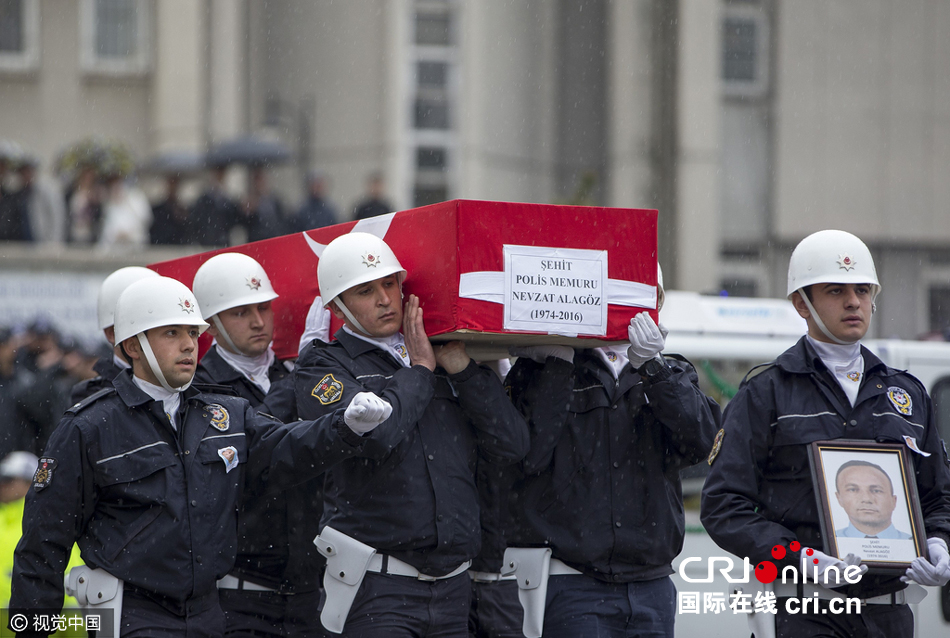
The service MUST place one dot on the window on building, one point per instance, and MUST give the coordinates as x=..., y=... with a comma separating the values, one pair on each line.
x=939, y=304
x=433, y=23
x=115, y=36
x=19, y=34
x=745, y=46
x=735, y=287
x=430, y=158
x=434, y=96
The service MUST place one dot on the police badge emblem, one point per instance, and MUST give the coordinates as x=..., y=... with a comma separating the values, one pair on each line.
x=900, y=400
x=186, y=305
x=220, y=419
x=611, y=356
x=854, y=376
x=846, y=262
x=44, y=473
x=328, y=390
x=254, y=283
x=717, y=445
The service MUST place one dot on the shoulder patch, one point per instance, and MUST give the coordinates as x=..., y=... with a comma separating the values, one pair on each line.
x=717, y=445
x=328, y=390
x=220, y=419
x=43, y=476
x=901, y=400
x=92, y=398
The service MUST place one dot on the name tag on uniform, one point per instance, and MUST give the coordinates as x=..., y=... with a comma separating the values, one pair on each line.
x=230, y=457
x=912, y=444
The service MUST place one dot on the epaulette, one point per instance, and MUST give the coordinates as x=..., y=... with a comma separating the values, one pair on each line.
x=215, y=388
x=757, y=370
x=92, y=398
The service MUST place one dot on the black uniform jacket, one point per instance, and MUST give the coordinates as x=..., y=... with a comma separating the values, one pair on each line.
x=152, y=506
x=277, y=402
x=602, y=485
x=275, y=541
x=410, y=492
x=759, y=491
x=107, y=370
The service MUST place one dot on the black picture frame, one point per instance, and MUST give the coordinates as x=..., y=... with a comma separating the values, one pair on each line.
x=857, y=529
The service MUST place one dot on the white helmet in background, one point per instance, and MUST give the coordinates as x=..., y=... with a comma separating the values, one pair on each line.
x=18, y=465
x=227, y=281
x=351, y=260
x=660, y=292
x=113, y=286
x=230, y=280
x=831, y=257
x=152, y=303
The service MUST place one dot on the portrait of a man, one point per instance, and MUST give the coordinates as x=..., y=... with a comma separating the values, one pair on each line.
x=866, y=493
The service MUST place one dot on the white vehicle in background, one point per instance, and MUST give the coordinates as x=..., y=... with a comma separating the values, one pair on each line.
x=724, y=337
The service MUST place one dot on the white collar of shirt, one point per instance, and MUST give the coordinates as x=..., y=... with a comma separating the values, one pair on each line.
x=394, y=345
x=615, y=357
x=119, y=361
x=254, y=368
x=170, y=400
x=845, y=362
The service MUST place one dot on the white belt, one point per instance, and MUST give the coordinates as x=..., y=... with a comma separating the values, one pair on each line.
x=557, y=568
x=385, y=564
x=912, y=595
x=489, y=577
x=233, y=582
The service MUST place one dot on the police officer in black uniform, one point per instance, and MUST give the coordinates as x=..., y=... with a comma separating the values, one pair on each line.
x=273, y=589
x=147, y=476
x=759, y=492
x=400, y=523
x=108, y=368
x=611, y=428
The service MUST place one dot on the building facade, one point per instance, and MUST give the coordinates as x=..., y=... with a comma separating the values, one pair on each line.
x=747, y=123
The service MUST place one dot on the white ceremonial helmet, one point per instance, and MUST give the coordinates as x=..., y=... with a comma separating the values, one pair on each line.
x=831, y=257
x=660, y=292
x=151, y=303
x=113, y=286
x=227, y=281
x=230, y=280
x=351, y=260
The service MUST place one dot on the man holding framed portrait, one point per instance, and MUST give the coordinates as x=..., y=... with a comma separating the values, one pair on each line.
x=880, y=468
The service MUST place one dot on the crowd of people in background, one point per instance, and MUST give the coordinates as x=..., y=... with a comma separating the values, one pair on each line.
x=103, y=205
x=38, y=367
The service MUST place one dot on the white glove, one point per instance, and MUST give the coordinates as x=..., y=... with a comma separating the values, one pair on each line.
x=317, y=325
x=646, y=340
x=365, y=412
x=825, y=577
x=541, y=353
x=932, y=573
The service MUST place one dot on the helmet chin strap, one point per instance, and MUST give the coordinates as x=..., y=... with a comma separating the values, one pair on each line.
x=224, y=335
x=821, y=324
x=153, y=364
x=349, y=315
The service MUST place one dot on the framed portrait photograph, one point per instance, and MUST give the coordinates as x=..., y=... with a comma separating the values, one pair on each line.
x=868, y=503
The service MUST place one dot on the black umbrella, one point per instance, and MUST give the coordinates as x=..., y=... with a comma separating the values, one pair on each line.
x=250, y=150
x=174, y=162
